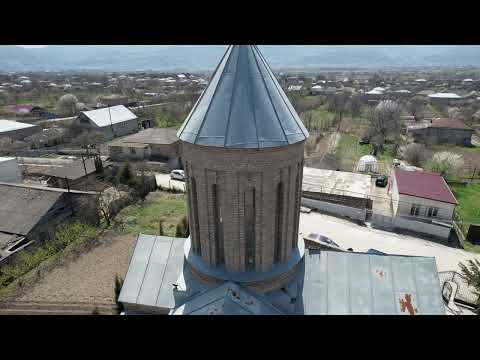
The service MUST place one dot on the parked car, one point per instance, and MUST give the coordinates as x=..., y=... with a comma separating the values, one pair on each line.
x=364, y=141
x=177, y=175
x=381, y=181
x=321, y=238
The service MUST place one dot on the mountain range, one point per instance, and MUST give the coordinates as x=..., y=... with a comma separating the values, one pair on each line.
x=205, y=57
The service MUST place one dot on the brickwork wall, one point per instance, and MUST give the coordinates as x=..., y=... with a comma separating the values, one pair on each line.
x=217, y=220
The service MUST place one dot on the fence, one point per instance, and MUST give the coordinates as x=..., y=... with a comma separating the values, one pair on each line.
x=390, y=223
x=465, y=294
x=341, y=210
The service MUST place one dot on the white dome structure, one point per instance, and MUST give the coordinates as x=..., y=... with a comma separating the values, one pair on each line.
x=367, y=163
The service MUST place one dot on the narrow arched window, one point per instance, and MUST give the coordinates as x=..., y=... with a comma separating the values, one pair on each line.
x=196, y=247
x=278, y=221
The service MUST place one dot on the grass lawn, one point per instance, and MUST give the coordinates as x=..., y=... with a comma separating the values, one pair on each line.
x=144, y=217
x=349, y=151
x=321, y=119
x=468, y=197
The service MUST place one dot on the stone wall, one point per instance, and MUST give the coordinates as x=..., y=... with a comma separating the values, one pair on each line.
x=244, y=204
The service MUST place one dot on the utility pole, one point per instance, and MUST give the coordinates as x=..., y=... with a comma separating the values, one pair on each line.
x=111, y=124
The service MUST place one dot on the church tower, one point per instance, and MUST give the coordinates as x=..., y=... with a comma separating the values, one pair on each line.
x=242, y=149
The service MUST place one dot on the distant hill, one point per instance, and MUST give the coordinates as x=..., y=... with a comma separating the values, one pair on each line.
x=205, y=57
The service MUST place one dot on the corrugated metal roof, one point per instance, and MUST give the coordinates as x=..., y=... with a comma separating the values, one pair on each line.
x=243, y=106
x=155, y=265
x=8, y=125
x=118, y=114
x=363, y=284
x=423, y=184
x=227, y=299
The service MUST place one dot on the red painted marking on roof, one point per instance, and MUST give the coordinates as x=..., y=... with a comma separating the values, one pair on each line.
x=406, y=304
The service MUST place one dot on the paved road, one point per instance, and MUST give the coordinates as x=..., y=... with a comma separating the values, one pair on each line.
x=165, y=181
x=347, y=234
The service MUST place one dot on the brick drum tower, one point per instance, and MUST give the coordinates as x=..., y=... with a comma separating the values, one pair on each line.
x=242, y=149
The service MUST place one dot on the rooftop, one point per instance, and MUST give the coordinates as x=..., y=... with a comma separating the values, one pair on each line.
x=444, y=96
x=117, y=114
x=73, y=171
x=158, y=136
x=243, y=106
x=22, y=207
x=336, y=182
x=9, y=125
x=448, y=123
x=345, y=283
x=424, y=184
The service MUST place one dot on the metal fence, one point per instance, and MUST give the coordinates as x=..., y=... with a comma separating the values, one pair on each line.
x=465, y=294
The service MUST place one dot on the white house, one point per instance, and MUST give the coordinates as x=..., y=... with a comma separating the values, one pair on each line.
x=111, y=121
x=422, y=202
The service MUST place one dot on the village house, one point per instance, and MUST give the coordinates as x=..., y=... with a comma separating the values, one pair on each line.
x=153, y=143
x=422, y=202
x=443, y=98
x=110, y=121
x=337, y=192
x=17, y=130
x=80, y=174
x=30, y=214
x=441, y=131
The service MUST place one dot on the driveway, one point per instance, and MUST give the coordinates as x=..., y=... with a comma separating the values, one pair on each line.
x=165, y=181
x=360, y=238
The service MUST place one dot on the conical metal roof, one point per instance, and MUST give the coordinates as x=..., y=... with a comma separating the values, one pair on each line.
x=243, y=106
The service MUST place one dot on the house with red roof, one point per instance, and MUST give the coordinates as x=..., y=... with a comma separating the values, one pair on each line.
x=424, y=197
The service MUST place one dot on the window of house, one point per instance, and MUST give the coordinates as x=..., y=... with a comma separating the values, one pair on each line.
x=432, y=212
x=132, y=150
x=415, y=210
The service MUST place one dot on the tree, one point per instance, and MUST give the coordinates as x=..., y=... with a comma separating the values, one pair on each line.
x=445, y=163
x=67, y=104
x=414, y=154
x=354, y=105
x=471, y=272
x=116, y=291
x=160, y=227
x=337, y=103
x=385, y=121
x=415, y=107
x=126, y=176
x=183, y=229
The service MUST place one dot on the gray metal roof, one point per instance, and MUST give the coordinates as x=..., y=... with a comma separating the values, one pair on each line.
x=110, y=115
x=227, y=299
x=243, y=106
x=9, y=125
x=364, y=284
x=156, y=264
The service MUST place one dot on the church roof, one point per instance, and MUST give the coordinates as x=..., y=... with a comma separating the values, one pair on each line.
x=227, y=299
x=243, y=106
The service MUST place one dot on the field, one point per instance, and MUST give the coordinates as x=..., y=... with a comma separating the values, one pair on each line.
x=468, y=197
x=145, y=217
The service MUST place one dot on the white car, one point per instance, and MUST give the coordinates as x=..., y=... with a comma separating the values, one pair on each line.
x=177, y=175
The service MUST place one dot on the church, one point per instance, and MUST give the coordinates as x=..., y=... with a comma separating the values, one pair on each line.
x=243, y=151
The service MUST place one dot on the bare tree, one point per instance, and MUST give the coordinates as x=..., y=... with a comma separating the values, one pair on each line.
x=385, y=121
x=415, y=106
x=337, y=103
x=354, y=105
x=414, y=154
x=67, y=104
